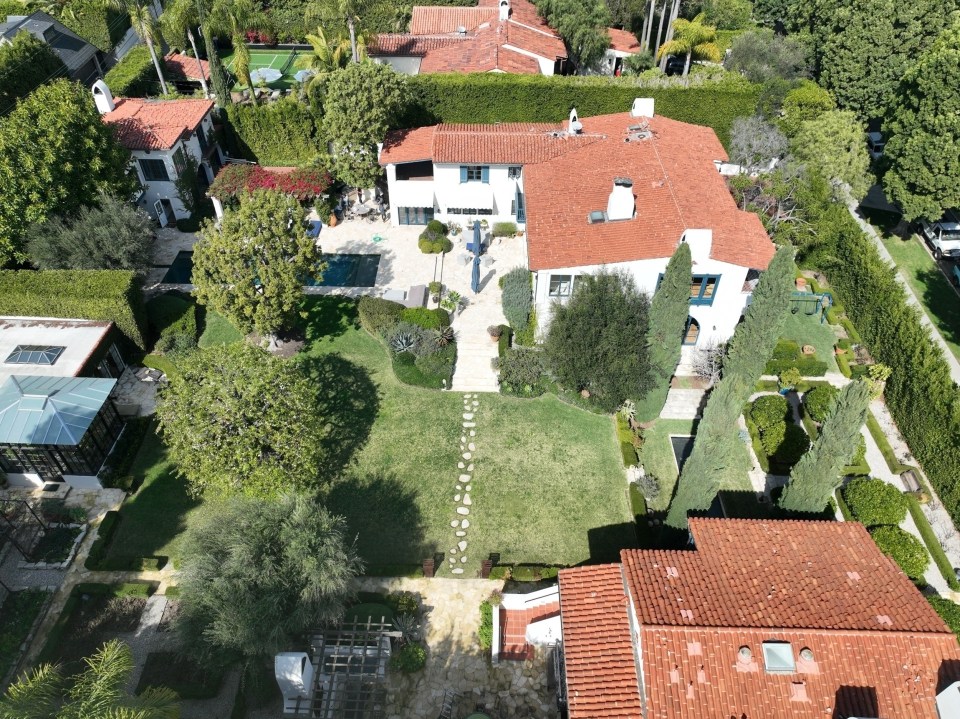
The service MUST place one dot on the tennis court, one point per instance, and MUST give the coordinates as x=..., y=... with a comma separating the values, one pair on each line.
x=280, y=60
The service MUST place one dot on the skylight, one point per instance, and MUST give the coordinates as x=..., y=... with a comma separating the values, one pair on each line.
x=778, y=658
x=34, y=354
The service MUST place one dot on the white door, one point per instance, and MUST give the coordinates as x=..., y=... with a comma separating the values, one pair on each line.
x=161, y=213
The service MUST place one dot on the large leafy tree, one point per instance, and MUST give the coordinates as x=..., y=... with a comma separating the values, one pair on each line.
x=924, y=132
x=727, y=14
x=113, y=235
x=56, y=155
x=361, y=103
x=99, y=692
x=668, y=317
x=762, y=56
x=25, y=64
x=598, y=341
x=238, y=420
x=256, y=575
x=582, y=25
x=807, y=101
x=251, y=266
x=864, y=47
x=694, y=40
x=817, y=475
x=716, y=444
x=833, y=145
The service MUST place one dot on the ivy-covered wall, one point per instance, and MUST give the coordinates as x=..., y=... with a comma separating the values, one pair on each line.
x=134, y=75
x=97, y=23
x=284, y=133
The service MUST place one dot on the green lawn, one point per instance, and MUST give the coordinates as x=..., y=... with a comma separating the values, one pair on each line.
x=217, y=330
x=807, y=330
x=932, y=289
x=153, y=519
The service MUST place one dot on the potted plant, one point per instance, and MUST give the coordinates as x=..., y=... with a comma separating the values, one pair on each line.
x=484, y=225
x=435, y=288
x=453, y=302
x=454, y=229
x=788, y=380
x=494, y=331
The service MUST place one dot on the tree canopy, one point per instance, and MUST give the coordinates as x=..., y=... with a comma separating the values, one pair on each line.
x=694, y=40
x=806, y=101
x=25, y=64
x=597, y=341
x=727, y=14
x=923, y=146
x=252, y=266
x=96, y=693
x=56, y=155
x=238, y=420
x=113, y=235
x=834, y=145
x=761, y=56
x=754, y=142
x=582, y=25
x=255, y=575
x=361, y=103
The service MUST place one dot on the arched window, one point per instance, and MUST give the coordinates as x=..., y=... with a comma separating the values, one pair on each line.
x=692, y=332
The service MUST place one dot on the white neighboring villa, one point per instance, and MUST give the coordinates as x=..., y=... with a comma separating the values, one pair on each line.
x=617, y=191
x=161, y=135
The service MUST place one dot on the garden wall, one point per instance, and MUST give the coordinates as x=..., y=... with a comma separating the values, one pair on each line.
x=281, y=134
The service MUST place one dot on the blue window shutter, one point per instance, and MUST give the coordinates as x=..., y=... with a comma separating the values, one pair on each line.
x=485, y=174
x=463, y=173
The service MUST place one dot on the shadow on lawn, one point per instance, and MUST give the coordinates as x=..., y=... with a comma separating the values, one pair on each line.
x=385, y=517
x=941, y=302
x=328, y=317
x=348, y=401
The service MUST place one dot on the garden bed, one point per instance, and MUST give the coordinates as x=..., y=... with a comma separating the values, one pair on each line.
x=57, y=544
x=18, y=614
x=182, y=674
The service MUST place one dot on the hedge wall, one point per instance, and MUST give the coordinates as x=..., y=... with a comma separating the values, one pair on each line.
x=113, y=295
x=134, y=75
x=97, y=24
x=501, y=97
x=921, y=396
x=284, y=133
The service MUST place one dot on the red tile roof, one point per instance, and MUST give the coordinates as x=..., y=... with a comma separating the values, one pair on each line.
x=623, y=40
x=155, y=124
x=408, y=145
x=878, y=648
x=438, y=20
x=409, y=45
x=601, y=670
x=186, y=66
x=513, y=629
x=483, y=52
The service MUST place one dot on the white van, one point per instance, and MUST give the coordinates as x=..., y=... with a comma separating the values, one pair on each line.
x=875, y=145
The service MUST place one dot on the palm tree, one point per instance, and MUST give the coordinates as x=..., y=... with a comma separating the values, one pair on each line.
x=349, y=12
x=330, y=54
x=178, y=20
x=234, y=18
x=694, y=40
x=145, y=25
x=98, y=692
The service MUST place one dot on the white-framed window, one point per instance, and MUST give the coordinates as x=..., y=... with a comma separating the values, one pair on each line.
x=513, y=173
x=154, y=170
x=561, y=285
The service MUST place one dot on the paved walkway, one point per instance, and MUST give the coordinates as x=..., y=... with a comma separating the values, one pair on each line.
x=951, y=359
x=684, y=403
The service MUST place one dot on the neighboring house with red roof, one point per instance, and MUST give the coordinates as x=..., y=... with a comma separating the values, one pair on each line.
x=162, y=136
x=494, y=36
x=618, y=191
x=762, y=620
x=623, y=44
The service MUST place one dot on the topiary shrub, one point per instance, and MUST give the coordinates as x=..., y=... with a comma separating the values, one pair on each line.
x=517, y=297
x=411, y=658
x=433, y=240
x=795, y=443
x=377, y=315
x=772, y=437
x=421, y=316
x=874, y=502
x=521, y=372
x=819, y=401
x=786, y=350
x=769, y=410
x=485, y=630
x=903, y=548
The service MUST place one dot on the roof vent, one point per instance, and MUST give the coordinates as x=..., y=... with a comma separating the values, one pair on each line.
x=672, y=572
x=504, y=10
x=642, y=107
x=806, y=654
x=596, y=217
x=686, y=614
x=576, y=127
x=798, y=692
x=621, y=204
x=461, y=30
x=102, y=97
x=744, y=655
x=640, y=131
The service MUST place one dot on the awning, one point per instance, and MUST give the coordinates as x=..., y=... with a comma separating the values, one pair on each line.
x=412, y=193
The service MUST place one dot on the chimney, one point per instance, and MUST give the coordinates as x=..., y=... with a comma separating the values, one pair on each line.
x=642, y=107
x=621, y=204
x=504, y=10
x=102, y=97
x=576, y=127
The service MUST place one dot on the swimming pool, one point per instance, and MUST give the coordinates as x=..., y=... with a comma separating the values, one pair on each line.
x=682, y=447
x=346, y=270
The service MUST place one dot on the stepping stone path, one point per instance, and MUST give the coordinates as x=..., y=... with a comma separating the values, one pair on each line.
x=471, y=404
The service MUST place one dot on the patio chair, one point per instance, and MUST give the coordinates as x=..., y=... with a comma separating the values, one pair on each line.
x=417, y=296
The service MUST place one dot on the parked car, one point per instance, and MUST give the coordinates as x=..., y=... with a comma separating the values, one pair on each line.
x=675, y=65
x=875, y=145
x=943, y=235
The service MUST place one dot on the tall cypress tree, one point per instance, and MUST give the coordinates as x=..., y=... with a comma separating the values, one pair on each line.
x=668, y=319
x=817, y=475
x=714, y=448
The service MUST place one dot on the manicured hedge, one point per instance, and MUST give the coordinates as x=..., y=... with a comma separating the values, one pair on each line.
x=96, y=23
x=933, y=544
x=920, y=393
x=503, y=97
x=948, y=611
x=113, y=295
x=905, y=549
x=134, y=75
x=284, y=133
x=874, y=502
x=377, y=315
x=808, y=366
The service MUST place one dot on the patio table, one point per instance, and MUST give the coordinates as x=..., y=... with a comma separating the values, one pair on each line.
x=363, y=210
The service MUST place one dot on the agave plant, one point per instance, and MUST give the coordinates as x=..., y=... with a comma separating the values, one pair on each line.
x=443, y=336
x=408, y=626
x=403, y=342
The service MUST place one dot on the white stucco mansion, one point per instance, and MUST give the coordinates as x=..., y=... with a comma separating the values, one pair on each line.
x=618, y=191
x=161, y=135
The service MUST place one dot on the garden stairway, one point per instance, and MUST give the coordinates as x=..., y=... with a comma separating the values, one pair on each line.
x=475, y=349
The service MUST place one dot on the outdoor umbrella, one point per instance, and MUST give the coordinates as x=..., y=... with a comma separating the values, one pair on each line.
x=475, y=277
x=302, y=75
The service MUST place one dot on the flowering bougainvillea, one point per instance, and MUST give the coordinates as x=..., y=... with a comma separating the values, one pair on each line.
x=304, y=183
